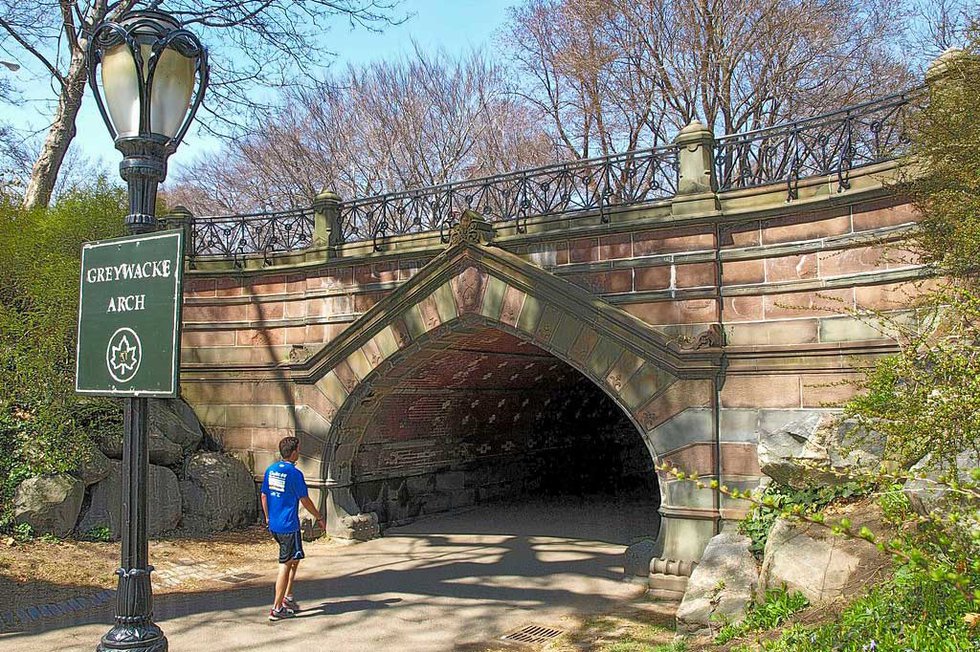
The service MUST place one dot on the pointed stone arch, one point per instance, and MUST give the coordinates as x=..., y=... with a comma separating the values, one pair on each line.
x=650, y=378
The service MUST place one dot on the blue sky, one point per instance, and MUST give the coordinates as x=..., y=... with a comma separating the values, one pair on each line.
x=454, y=25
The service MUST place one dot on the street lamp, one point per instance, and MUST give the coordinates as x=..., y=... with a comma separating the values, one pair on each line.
x=153, y=77
x=154, y=74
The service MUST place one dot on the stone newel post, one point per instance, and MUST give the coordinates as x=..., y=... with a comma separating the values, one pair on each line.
x=326, y=220
x=944, y=65
x=696, y=183
x=181, y=217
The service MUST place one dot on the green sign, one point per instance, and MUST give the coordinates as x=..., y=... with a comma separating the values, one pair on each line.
x=129, y=316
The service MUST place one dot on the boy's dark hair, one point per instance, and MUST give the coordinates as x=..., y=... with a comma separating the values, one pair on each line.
x=288, y=446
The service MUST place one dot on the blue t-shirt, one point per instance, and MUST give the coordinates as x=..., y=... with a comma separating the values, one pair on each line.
x=283, y=486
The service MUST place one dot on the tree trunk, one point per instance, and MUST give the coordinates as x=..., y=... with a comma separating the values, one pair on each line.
x=62, y=131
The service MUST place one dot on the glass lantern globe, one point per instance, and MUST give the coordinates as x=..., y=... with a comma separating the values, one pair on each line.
x=149, y=71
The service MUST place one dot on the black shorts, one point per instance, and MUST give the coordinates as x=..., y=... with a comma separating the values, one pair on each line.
x=290, y=546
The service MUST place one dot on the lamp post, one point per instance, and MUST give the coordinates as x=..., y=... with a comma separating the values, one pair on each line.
x=153, y=77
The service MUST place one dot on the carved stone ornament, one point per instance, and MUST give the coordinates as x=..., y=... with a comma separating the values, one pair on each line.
x=299, y=353
x=471, y=227
x=711, y=338
x=469, y=288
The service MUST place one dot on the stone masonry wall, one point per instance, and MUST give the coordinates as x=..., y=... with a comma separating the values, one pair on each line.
x=783, y=280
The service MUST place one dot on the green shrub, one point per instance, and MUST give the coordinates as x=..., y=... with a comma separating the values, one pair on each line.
x=777, y=499
x=776, y=607
x=23, y=532
x=895, y=505
x=912, y=611
x=44, y=426
x=946, y=185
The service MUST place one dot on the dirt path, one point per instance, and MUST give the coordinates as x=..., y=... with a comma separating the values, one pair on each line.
x=441, y=583
x=40, y=572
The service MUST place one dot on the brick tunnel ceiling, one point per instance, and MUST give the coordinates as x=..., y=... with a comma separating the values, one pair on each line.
x=484, y=359
x=500, y=417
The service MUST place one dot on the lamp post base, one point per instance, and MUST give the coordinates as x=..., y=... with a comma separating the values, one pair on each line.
x=145, y=637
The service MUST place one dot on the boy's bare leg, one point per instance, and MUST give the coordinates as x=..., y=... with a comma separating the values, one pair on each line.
x=282, y=580
x=293, y=565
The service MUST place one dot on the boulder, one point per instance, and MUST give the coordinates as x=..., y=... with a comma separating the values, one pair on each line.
x=94, y=466
x=163, y=502
x=162, y=451
x=721, y=586
x=822, y=566
x=49, y=503
x=175, y=421
x=110, y=444
x=218, y=492
x=926, y=495
x=817, y=449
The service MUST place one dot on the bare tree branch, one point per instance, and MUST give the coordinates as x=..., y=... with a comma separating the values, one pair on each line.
x=55, y=73
x=256, y=45
x=423, y=120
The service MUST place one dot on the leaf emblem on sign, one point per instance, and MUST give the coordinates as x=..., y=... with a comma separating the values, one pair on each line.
x=123, y=354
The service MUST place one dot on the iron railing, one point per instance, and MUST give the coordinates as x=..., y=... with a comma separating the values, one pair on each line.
x=595, y=184
x=832, y=143
x=241, y=236
x=829, y=144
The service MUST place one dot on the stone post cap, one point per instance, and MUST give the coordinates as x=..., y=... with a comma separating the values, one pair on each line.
x=326, y=197
x=180, y=212
x=941, y=65
x=695, y=132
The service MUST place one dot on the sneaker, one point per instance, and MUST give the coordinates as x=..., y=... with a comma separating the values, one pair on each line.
x=281, y=613
x=289, y=603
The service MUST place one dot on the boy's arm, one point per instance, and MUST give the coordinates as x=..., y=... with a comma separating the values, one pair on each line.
x=265, y=508
x=311, y=508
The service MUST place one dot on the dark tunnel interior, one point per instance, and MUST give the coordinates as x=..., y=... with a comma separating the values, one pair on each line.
x=480, y=416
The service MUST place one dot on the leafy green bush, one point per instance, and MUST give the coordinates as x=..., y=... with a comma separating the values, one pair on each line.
x=926, y=399
x=776, y=607
x=895, y=505
x=946, y=185
x=777, y=499
x=23, y=532
x=911, y=611
x=43, y=424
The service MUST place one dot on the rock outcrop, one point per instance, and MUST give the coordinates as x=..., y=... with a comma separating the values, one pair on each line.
x=163, y=500
x=49, y=503
x=822, y=566
x=175, y=421
x=93, y=467
x=218, y=493
x=721, y=586
x=926, y=496
x=162, y=451
x=816, y=449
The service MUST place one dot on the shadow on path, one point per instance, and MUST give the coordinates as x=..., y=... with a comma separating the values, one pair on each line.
x=486, y=564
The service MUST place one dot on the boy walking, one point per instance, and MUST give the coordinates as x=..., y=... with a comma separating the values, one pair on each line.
x=283, y=489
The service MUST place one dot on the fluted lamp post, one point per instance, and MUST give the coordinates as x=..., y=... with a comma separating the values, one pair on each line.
x=148, y=75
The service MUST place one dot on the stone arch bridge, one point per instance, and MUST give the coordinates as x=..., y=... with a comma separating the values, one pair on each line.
x=437, y=348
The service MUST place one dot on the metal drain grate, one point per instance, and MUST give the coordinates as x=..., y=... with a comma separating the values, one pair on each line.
x=238, y=578
x=532, y=634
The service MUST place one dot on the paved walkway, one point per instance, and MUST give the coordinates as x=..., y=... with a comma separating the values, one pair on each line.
x=434, y=585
